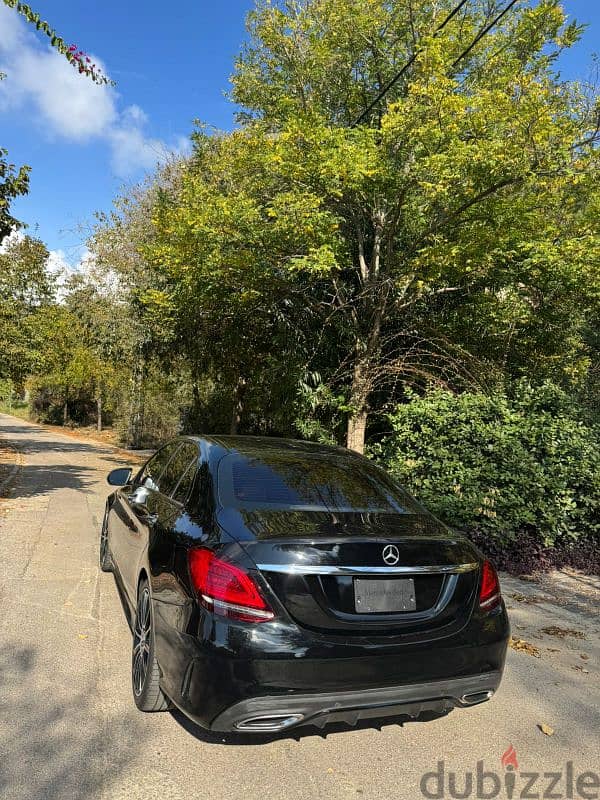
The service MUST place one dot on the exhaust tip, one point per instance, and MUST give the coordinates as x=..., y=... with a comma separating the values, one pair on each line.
x=270, y=724
x=473, y=698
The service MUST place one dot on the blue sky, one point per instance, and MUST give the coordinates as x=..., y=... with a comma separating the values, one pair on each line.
x=171, y=63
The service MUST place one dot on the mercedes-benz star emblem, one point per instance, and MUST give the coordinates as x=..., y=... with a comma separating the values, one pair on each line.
x=391, y=554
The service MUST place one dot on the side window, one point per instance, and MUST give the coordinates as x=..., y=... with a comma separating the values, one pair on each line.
x=177, y=471
x=151, y=474
x=186, y=479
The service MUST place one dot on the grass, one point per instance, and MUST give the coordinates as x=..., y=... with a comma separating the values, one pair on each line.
x=18, y=408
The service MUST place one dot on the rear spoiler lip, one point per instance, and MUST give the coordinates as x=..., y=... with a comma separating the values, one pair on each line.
x=334, y=569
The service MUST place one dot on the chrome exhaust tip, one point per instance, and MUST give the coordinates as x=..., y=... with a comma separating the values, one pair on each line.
x=270, y=724
x=473, y=698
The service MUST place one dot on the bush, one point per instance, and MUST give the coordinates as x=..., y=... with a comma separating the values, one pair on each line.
x=507, y=469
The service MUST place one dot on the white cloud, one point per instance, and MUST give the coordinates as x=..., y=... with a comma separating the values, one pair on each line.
x=41, y=83
x=57, y=263
x=13, y=236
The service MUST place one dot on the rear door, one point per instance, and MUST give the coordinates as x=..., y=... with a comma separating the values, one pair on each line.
x=138, y=510
x=168, y=505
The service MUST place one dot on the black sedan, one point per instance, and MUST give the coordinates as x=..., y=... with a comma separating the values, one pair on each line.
x=272, y=583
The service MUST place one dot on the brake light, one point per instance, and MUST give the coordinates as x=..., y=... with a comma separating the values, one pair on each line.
x=226, y=589
x=489, y=593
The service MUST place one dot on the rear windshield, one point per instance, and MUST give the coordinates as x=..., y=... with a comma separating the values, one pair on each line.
x=308, y=483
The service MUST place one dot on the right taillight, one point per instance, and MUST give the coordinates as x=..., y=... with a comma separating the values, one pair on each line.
x=226, y=589
x=489, y=592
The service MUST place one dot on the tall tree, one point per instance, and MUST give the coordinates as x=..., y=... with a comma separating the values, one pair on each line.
x=460, y=183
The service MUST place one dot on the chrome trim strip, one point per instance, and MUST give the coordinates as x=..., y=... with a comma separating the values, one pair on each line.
x=327, y=569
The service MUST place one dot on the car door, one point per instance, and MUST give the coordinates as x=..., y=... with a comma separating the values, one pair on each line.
x=175, y=485
x=138, y=512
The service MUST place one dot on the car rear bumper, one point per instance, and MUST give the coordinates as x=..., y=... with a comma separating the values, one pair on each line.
x=229, y=673
x=269, y=714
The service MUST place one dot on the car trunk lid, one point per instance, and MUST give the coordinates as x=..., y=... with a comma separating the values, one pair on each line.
x=362, y=573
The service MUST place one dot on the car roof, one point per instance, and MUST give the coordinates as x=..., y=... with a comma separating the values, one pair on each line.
x=271, y=444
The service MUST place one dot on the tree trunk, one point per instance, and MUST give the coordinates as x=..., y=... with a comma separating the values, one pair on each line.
x=359, y=401
x=136, y=418
x=357, y=425
x=65, y=412
x=99, y=413
x=238, y=405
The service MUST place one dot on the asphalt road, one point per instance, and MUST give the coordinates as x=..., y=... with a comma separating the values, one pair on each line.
x=69, y=729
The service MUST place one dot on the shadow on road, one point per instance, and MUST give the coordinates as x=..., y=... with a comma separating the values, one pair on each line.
x=54, y=742
x=37, y=480
x=45, y=440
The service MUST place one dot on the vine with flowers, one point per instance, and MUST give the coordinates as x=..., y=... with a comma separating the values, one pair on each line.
x=74, y=55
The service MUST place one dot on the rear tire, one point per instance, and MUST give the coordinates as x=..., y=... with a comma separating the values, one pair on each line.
x=145, y=674
x=106, y=562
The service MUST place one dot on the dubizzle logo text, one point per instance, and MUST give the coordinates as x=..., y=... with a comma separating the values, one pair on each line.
x=512, y=783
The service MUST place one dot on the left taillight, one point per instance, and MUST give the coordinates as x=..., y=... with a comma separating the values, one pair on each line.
x=489, y=591
x=226, y=589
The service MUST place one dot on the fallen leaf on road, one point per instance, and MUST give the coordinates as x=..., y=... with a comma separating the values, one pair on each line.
x=584, y=656
x=546, y=729
x=524, y=598
x=581, y=668
x=82, y=635
x=523, y=646
x=554, y=630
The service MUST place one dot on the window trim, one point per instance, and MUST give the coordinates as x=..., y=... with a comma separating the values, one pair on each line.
x=192, y=465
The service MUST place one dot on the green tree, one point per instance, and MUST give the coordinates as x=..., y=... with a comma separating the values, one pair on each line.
x=14, y=181
x=26, y=287
x=466, y=183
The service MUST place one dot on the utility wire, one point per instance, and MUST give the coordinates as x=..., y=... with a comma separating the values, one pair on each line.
x=455, y=63
x=484, y=32
x=408, y=64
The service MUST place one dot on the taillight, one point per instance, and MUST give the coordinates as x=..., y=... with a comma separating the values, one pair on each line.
x=489, y=593
x=225, y=589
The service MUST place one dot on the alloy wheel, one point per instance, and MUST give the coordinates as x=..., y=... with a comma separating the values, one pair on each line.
x=141, y=642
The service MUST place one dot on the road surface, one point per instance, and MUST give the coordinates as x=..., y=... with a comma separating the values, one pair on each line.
x=69, y=729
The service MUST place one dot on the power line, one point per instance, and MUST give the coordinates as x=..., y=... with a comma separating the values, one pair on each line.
x=484, y=32
x=455, y=63
x=408, y=64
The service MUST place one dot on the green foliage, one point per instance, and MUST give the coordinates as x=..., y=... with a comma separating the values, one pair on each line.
x=501, y=465
x=459, y=223
x=14, y=182
x=26, y=289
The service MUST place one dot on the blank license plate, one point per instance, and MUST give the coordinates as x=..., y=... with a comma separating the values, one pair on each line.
x=385, y=595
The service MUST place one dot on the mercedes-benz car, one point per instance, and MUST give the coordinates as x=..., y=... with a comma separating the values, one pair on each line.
x=272, y=583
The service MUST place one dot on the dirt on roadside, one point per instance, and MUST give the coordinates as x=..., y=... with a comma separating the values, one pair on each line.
x=10, y=460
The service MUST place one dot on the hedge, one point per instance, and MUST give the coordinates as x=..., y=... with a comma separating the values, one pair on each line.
x=523, y=467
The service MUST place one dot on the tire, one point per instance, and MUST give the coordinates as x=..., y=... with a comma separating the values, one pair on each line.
x=145, y=674
x=106, y=562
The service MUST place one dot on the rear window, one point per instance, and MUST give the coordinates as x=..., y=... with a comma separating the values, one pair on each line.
x=308, y=483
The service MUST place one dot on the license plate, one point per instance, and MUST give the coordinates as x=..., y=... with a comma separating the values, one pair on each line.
x=384, y=595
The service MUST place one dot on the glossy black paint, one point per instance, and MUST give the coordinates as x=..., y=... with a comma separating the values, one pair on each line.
x=317, y=651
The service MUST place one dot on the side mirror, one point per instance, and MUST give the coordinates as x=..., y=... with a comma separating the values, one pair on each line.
x=120, y=476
